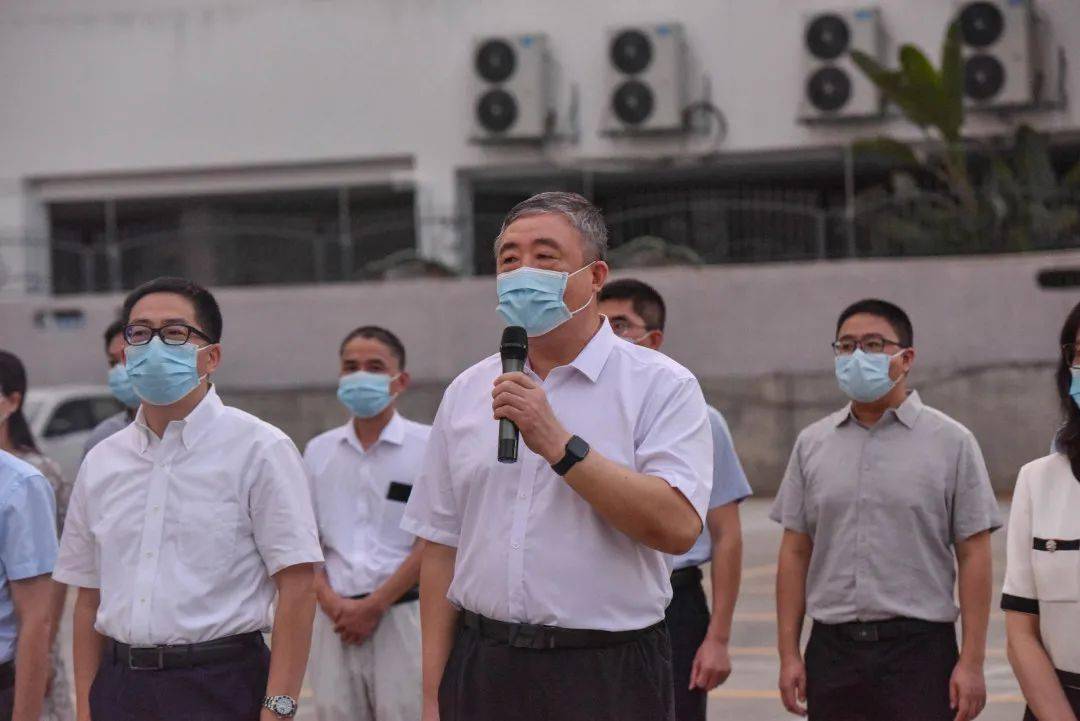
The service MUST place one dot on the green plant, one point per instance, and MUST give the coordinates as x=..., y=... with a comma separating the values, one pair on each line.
x=995, y=199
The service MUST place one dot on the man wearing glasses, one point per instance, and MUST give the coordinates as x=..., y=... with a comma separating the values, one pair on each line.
x=699, y=640
x=879, y=501
x=181, y=529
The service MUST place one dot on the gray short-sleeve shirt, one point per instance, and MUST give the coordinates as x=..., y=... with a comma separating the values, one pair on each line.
x=884, y=507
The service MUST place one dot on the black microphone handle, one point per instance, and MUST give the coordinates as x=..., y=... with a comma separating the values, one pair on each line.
x=508, y=432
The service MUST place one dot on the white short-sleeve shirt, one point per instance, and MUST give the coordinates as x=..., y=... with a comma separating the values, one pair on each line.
x=182, y=534
x=1042, y=572
x=359, y=498
x=529, y=548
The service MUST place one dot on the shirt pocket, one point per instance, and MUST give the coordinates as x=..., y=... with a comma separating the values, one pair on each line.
x=1057, y=573
x=206, y=538
x=393, y=509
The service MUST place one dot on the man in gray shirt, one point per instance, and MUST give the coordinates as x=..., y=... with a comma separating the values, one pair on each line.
x=877, y=502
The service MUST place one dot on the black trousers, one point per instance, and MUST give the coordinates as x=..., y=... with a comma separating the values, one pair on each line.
x=488, y=681
x=899, y=679
x=7, y=690
x=231, y=690
x=1071, y=683
x=687, y=621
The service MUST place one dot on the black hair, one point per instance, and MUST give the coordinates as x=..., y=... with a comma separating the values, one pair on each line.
x=115, y=328
x=207, y=312
x=893, y=314
x=374, y=332
x=13, y=380
x=1068, y=438
x=643, y=297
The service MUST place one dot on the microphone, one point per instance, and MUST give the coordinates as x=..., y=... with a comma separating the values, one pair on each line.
x=513, y=349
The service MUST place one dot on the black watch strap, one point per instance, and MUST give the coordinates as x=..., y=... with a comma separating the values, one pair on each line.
x=576, y=450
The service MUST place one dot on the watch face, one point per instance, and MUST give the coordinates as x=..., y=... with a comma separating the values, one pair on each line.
x=283, y=706
x=577, y=447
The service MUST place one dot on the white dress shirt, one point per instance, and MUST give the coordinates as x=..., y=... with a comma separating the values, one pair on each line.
x=359, y=498
x=183, y=533
x=529, y=548
x=1042, y=571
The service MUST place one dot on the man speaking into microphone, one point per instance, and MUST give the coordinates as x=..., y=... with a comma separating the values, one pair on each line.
x=543, y=587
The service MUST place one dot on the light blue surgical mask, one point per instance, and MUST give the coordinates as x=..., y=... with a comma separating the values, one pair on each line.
x=533, y=299
x=365, y=394
x=121, y=387
x=1074, y=389
x=163, y=374
x=864, y=377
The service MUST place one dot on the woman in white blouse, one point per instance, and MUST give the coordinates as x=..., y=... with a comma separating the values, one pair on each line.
x=1041, y=597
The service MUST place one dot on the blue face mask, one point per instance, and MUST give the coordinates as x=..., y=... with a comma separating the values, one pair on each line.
x=163, y=374
x=864, y=377
x=533, y=299
x=1074, y=389
x=366, y=395
x=121, y=388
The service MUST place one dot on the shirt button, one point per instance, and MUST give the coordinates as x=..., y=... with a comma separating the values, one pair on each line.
x=142, y=600
x=149, y=555
x=516, y=546
x=521, y=495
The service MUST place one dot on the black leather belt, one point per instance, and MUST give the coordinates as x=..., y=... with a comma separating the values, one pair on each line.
x=882, y=630
x=686, y=577
x=158, y=658
x=7, y=675
x=527, y=635
x=413, y=594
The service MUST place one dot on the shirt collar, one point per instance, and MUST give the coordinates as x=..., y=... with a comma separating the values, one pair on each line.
x=393, y=433
x=192, y=427
x=906, y=413
x=592, y=358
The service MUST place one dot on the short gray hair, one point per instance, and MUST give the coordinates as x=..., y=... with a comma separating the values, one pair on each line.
x=585, y=217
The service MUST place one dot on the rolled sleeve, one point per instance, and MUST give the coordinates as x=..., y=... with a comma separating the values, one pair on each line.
x=677, y=445
x=975, y=509
x=432, y=513
x=281, y=514
x=789, y=507
x=28, y=544
x=77, y=564
x=729, y=479
x=1019, y=592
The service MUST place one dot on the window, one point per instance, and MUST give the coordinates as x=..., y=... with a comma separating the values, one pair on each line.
x=71, y=417
x=281, y=237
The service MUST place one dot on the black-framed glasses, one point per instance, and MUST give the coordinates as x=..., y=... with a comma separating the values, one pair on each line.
x=1071, y=353
x=623, y=327
x=870, y=343
x=171, y=334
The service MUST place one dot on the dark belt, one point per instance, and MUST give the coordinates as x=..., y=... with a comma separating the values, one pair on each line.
x=684, y=577
x=1068, y=679
x=527, y=635
x=7, y=675
x=157, y=658
x=413, y=594
x=882, y=630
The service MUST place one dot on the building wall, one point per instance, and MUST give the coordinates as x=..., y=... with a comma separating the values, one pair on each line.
x=154, y=89
x=756, y=336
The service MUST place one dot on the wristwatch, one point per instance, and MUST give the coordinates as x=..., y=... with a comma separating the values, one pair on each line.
x=576, y=450
x=282, y=706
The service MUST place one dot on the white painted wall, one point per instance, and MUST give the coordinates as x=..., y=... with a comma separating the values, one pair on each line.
x=123, y=86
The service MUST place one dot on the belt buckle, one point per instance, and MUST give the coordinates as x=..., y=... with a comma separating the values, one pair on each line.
x=523, y=635
x=158, y=658
x=866, y=633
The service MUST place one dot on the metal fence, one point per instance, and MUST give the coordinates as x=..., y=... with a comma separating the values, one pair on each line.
x=691, y=230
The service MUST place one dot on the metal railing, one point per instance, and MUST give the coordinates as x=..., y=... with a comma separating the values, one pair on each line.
x=694, y=230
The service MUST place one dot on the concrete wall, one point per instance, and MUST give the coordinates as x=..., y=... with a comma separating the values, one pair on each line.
x=757, y=336
x=155, y=89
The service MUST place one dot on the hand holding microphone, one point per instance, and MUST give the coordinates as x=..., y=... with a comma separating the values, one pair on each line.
x=521, y=405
